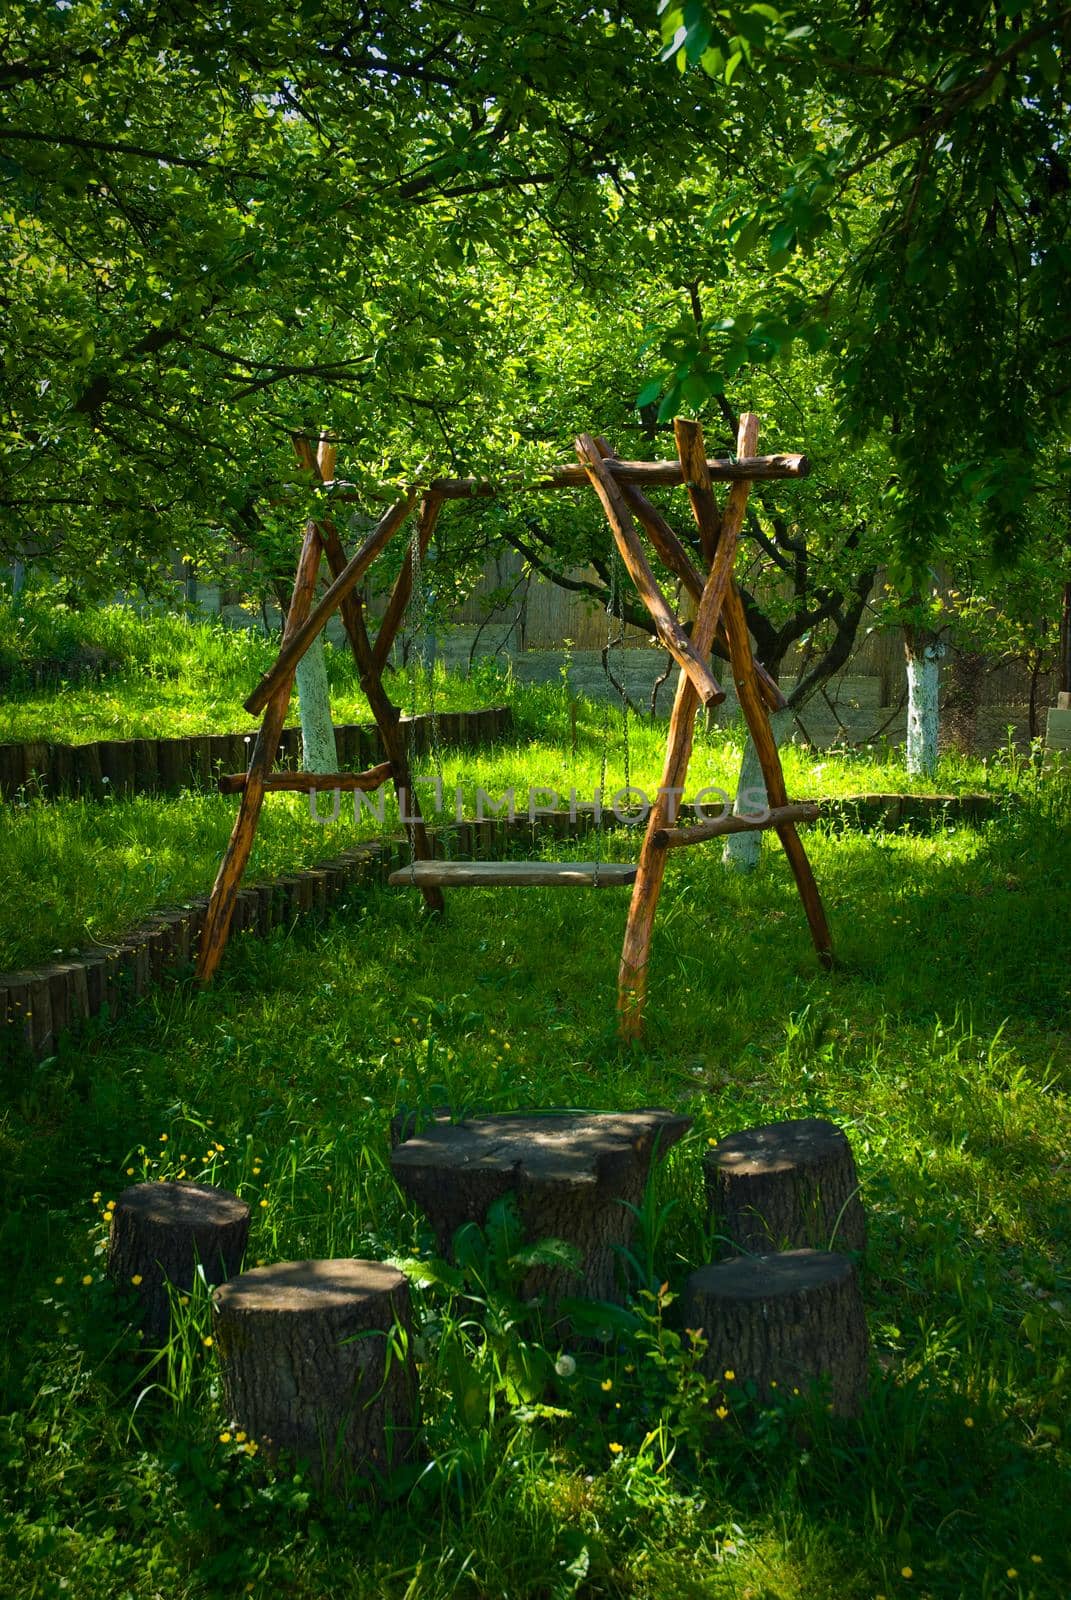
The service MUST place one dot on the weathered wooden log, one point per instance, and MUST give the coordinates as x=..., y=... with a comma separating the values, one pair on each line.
x=303, y=782
x=162, y=1232
x=574, y=1176
x=650, y=473
x=346, y=580
x=117, y=765
x=317, y=1363
x=784, y=1186
x=783, y=1322
x=677, y=838
x=146, y=765
x=60, y=769
x=42, y=1032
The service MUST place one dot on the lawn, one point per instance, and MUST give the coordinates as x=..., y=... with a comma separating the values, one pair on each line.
x=941, y=1045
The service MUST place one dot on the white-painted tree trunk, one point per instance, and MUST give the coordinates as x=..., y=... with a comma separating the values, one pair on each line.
x=318, y=752
x=743, y=850
x=923, y=722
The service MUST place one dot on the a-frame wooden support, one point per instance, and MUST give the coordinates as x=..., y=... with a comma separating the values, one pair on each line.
x=719, y=618
x=719, y=609
x=272, y=696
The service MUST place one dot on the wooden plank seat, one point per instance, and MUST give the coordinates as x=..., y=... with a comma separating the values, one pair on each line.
x=516, y=874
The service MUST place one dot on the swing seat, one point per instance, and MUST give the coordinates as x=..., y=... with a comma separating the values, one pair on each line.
x=515, y=874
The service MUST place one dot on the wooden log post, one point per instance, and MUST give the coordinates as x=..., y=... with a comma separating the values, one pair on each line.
x=666, y=625
x=784, y=1323
x=636, y=950
x=174, y=762
x=162, y=1232
x=786, y=1186
x=318, y=1363
x=574, y=1177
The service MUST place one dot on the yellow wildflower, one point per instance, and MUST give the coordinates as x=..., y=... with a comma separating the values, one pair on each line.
x=88, y=1279
x=729, y=1374
x=906, y=1572
x=224, y=1437
x=207, y=1341
x=240, y=1437
x=607, y=1385
x=721, y=1413
x=136, y=1279
x=616, y=1449
x=968, y=1422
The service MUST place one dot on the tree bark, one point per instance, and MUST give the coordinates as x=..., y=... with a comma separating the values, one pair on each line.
x=786, y=1186
x=923, y=652
x=743, y=850
x=318, y=752
x=317, y=1362
x=783, y=1322
x=162, y=1232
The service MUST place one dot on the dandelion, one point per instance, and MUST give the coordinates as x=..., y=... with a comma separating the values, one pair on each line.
x=565, y=1366
x=87, y=1280
x=616, y=1449
x=907, y=1572
x=136, y=1279
x=968, y=1422
x=224, y=1437
x=251, y=1448
x=396, y=1041
x=1036, y=1560
x=240, y=1438
x=130, y=1172
x=163, y=1138
x=607, y=1385
x=721, y=1413
x=208, y=1341
x=256, y=1172
x=1013, y=1572
x=264, y=1205
x=729, y=1375
x=184, y=1300
x=59, y=1279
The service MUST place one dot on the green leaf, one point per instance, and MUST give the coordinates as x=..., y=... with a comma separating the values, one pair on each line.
x=649, y=393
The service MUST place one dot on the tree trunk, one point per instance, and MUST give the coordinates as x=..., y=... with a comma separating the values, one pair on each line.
x=785, y=1186
x=743, y=850
x=317, y=1362
x=575, y=1178
x=923, y=652
x=162, y=1232
x=960, y=711
x=783, y=1322
x=318, y=753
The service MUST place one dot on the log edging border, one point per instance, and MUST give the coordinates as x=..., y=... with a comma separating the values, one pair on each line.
x=128, y=767
x=39, y=1006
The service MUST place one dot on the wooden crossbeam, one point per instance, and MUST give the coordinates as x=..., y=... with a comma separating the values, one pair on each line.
x=651, y=473
x=346, y=580
x=310, y=782
x=427, y=517
x=718, y=827
x=668, y=629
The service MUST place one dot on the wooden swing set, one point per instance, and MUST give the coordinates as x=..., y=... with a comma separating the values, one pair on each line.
x=719, y=619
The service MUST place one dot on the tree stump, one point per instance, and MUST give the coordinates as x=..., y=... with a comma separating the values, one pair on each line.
x=569, y=1173
x=787, y=1185
x=310, y=1366
x=161, y=1232
x=783, y=1322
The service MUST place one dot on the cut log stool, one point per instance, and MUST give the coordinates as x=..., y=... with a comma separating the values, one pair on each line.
x=785, y=1186
x=309, y=1366
x=570, y=1174
x=783, y=1322
x=162, y=1232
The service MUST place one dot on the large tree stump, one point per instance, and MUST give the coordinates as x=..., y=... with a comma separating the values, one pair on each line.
x=786, y=1186
x=161, y=1232
x=783, y=1322
x=311, y=1364
x=570, y=1174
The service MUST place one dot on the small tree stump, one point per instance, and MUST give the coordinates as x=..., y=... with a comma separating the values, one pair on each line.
x=161, y=1232
x=786, y=1186
x=570, y=1174
x=310, y=1367
x=783, y=1322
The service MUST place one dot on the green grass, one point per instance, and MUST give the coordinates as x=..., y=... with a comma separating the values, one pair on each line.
x=76, y=872
x=170, y=674
x=942, y=1046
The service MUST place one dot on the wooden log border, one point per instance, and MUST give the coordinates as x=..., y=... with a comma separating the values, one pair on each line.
x=166, y=766
x=37, y=1007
